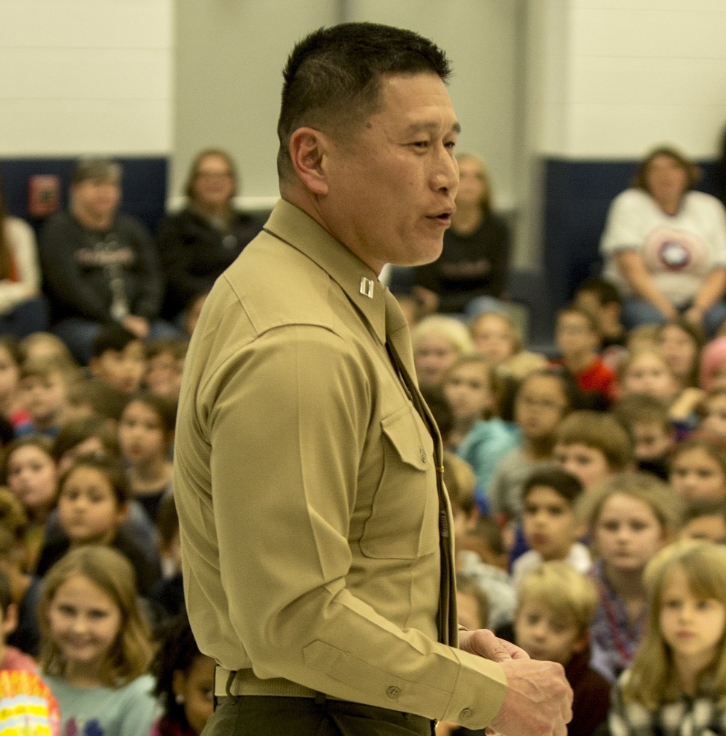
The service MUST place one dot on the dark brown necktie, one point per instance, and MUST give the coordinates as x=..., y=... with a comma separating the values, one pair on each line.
x=398, y=343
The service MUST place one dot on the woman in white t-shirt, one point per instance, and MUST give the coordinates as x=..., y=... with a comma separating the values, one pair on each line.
x=22, y=307
x=665, y=245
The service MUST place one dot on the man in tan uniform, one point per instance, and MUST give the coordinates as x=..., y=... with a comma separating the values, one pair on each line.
x=317, y=559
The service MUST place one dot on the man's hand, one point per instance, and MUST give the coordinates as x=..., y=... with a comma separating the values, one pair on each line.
x=483, y=643
x=538, y=700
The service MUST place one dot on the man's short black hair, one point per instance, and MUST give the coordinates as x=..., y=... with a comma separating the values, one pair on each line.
x=112, y=337
x=332, y=78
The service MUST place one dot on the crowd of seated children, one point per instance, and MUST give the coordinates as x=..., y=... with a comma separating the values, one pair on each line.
x=681, y=343
x=499, y=341
x=101, y=682
x=550, y=524
x=184, y=682
x=713, y=365
x=602, y=299
x=437, y=342
x=30, y=472
x=592, y=446
x=480, y=437
x=555, y=607
x=479, y=548
x=44, y=387
x=146, y=434
x=713, y=413
x=676, y=683
x=164, y=364
x=92, y=504
x=698, y=470
x=651, y=432
x=629, y=518
x=542, y=401
x=705, y=520
x=578, y=341
x=118, y=357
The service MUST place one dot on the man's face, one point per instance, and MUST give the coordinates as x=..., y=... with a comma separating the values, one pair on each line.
x=98, y=197
x=391, y=189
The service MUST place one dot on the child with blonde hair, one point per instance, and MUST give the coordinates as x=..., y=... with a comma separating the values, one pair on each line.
x=99, y=679
x=437, y=342
x=44, y=387
x=676, y=684
x=556, y=606
x=499, y=340
x=630, y=518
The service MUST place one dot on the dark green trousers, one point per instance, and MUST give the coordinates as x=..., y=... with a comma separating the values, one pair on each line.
x=265, y=715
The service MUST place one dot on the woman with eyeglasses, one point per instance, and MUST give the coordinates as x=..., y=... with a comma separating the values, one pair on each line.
x=197, y=244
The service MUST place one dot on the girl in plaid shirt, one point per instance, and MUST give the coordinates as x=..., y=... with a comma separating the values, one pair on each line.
x=630, y=518
x=677, y=683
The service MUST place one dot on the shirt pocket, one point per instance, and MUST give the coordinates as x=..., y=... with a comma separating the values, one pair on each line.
x=403, y=522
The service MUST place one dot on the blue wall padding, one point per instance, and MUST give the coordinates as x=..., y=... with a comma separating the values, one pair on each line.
x=144, y=185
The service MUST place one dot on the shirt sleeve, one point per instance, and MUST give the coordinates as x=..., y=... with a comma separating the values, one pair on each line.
x=624, y=224
x=287, y=425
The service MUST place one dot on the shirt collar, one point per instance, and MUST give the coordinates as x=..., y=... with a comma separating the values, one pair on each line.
x=360, y=283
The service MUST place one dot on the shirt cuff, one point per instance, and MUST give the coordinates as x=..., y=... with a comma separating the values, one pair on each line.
x=473, y=703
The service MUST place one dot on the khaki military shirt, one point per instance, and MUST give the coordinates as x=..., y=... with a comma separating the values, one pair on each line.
x=306, y=486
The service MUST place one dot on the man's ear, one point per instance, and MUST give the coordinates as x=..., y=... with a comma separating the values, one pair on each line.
x=309, y=151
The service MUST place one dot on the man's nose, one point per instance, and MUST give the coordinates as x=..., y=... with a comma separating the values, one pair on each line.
x=446, y=175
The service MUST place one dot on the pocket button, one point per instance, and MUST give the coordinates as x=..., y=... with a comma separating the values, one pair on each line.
x=393, y=692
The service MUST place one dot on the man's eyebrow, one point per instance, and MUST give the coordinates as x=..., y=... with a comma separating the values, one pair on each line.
x=425, y=127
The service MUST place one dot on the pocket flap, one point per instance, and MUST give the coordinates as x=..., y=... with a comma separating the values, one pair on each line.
x=403, y=433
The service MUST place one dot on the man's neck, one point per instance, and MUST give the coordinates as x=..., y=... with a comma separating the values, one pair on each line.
x=92, y=220
x=308, y=203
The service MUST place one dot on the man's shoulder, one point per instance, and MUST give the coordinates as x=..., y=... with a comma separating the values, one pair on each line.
x=278, y=285
x=128, y=224
x=59, y=223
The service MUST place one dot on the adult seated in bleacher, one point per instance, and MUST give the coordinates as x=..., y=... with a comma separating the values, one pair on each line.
x=665, y=245
x=202, y=240
x=100, y=267
x=471, y=272
x=22, y=307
